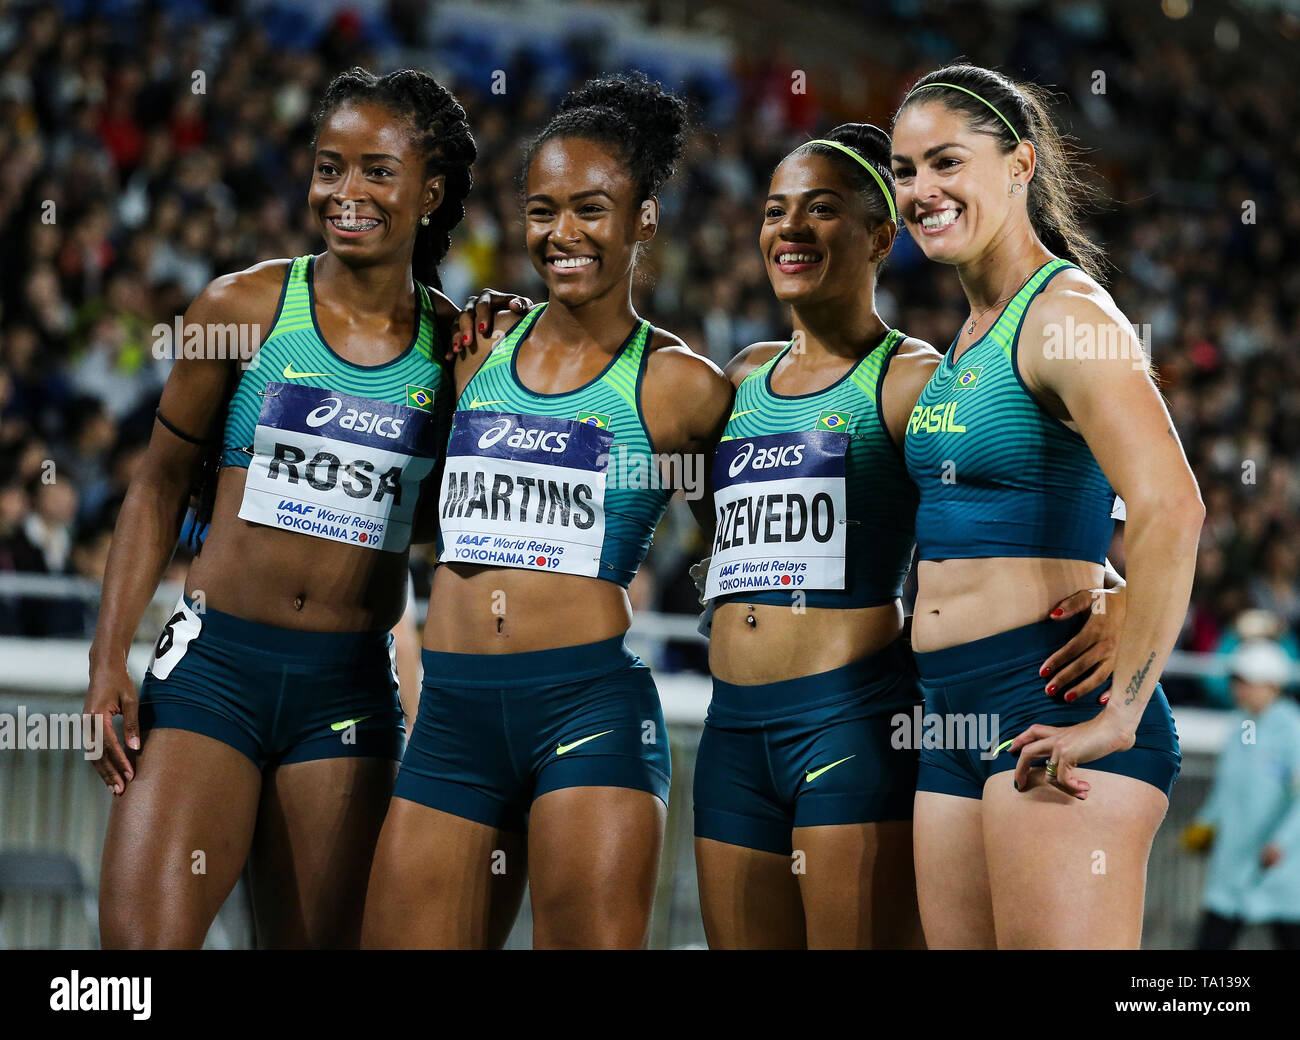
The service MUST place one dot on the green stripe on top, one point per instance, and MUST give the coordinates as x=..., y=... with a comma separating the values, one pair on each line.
x=998, y=475
x=296, y=352
x=879, y=497
x=611, y=400
x=1007, y=327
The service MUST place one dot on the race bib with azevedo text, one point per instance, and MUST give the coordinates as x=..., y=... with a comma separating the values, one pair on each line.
x=780, y=507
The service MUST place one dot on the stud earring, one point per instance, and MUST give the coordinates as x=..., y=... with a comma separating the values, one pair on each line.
x=1016, y=188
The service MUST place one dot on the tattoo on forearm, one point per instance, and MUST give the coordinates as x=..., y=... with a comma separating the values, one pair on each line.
x=1135, y=684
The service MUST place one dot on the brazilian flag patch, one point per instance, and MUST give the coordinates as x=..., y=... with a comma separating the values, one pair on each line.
x=835, y=421
x=967, y=378
x=594, y=419
x=420, y=397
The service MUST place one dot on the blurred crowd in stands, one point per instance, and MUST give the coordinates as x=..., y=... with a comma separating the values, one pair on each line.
x=144, y=152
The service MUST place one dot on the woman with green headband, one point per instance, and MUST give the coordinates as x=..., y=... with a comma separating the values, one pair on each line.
x=806, y=771
x=1042, y=409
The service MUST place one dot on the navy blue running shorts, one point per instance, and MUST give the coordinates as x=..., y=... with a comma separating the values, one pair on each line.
x=991, y=686
x=277, y=695
x=496, y=731
x=807, y=752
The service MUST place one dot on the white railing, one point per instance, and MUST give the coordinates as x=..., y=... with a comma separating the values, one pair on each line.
x=62, y=657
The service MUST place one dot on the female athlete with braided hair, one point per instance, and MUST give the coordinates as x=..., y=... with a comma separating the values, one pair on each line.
x=268, y=728
x=1015, y=445
x=540, y=739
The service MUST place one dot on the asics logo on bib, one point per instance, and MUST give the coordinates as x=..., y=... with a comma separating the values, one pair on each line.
x=780, y=505
x=522, y=437
x=766, y=458
x=320, y=416
x=361, y=422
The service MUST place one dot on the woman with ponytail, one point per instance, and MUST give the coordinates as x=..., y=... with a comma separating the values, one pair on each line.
x=268, y=729
x=539, y=753
x=806, y=771
x=1042, y=409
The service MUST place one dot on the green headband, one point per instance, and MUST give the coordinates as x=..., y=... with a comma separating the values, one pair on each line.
x=884, y=188
x=972, y=93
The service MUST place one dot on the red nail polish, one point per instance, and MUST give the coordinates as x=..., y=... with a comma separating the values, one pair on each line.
x=1070, y=696
x=1044, y=672
x=1103, y=700
x=482, y=326
x=1051, y=689
x=1057, y=612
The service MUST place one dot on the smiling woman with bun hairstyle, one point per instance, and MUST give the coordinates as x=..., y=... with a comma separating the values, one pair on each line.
x=540, y=753
x=807, y=650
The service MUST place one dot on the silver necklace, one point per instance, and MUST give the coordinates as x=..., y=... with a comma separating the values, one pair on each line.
x=970, y=329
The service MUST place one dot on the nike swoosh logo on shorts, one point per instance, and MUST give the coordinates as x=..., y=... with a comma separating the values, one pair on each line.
x=338, y=727
x=476, y=403
x=289, y=373
x=810, y=777
x=560, y=749
x=737, y=415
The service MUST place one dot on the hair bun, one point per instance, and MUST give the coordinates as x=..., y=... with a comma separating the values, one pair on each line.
x=647, y=124
x=651, y=113
x=868, y=141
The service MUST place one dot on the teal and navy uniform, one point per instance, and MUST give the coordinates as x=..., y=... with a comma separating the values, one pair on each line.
x=609, y=405
x=296, y=353
x=881, y=498
x=999, y=476
x=814, y=750
x=334, y=450
x=530, y=479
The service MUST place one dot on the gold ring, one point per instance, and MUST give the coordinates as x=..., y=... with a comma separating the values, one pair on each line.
x=1051, y=768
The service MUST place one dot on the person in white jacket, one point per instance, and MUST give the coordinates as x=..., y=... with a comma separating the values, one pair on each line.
x=1251, y=820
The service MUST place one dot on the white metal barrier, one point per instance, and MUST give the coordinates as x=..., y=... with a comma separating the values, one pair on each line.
x=54, y=801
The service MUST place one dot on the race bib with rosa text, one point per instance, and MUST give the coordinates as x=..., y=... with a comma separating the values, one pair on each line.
x=339, y=467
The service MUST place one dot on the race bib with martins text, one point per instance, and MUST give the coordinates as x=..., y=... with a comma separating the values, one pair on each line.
x=524, y=491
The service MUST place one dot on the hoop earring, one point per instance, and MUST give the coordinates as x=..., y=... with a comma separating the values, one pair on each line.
x=425, y=220
x=1016, y=188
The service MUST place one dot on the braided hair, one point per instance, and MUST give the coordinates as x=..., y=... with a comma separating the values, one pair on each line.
x=442, y=133
x=644, y=124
